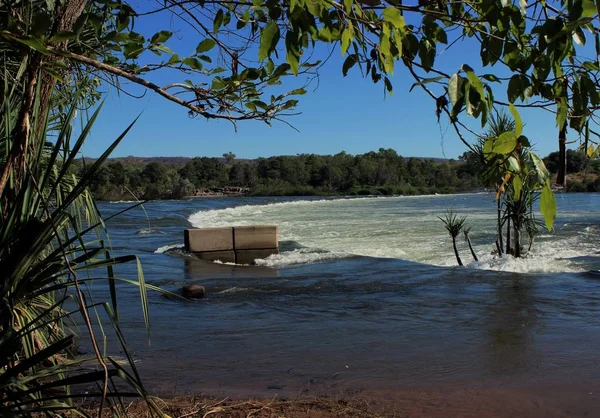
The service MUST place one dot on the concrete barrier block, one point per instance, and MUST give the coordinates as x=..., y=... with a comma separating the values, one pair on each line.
x=248, y=256
x=255, y=237
x=208, y=239
x=223, y=256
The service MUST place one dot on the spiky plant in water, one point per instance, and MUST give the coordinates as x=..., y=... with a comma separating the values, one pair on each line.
x=454, y=224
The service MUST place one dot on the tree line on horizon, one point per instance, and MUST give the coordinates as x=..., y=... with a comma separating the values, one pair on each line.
x=382, y=172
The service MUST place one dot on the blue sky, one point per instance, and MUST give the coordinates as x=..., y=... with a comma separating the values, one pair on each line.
x=349, y=114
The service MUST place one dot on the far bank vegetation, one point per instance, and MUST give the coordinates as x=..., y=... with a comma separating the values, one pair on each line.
x=374, y=173
x=383, y=172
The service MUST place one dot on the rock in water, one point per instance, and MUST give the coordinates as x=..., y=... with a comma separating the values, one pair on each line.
x=193, y=291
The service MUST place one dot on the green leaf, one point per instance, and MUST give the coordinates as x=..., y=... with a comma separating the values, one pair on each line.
x=548, y=206
x=298, y=91
x=218, y=21
x=427, y=51
x=268, y=40
x=590, y=151
x=513, y=164
x=270, y=66
x=517, y=187
x=385, y=54
x=388, y=85
x=133, y=50
x=161, y=37
x=455, y=88
x=348, y=63
x=518, y=122
x=347, y=37
x=205, y=45
x=514, y=90
x=491, y=77
x=487, y=147
x=591, y=66
x=505, y=143
x=164, y=49
x=523, y=4
x=561, y=113
x=34, y=43
x=393, y=16
x=193, y=63
x=540, y=168
x=512, y=56
x=426, y=81
x=474, y=81
x=579, y=36
x=524, y=141
x=292, y=51
x=589, y=8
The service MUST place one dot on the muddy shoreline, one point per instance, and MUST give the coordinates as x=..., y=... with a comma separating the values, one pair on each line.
x=441, y=402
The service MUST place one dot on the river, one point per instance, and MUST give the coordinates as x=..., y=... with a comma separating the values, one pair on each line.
x=366, y=298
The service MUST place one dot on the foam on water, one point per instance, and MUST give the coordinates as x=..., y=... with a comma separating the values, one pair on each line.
x=299, y=256
x=165, y=248
x=402, y=227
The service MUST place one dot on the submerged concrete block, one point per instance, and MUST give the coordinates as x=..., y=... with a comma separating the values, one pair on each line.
x=248, y=256
x=223, y=256
x=255, y=237
x=208, y=239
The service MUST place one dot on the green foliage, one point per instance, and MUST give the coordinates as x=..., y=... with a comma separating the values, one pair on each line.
x=383, y=172
x=540, y=47
x=453, y=223
x=52, y=250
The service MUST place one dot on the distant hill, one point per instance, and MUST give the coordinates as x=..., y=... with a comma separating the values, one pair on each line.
x=145, y=160
x=184, y=160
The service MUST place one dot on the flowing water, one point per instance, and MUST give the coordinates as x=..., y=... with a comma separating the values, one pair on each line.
x=365, y=295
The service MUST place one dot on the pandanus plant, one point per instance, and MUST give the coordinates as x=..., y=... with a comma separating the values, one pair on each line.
x=454, y=224
x=52, y=249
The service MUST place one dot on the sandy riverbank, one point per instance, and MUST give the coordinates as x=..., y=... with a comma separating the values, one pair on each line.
x=443, y=402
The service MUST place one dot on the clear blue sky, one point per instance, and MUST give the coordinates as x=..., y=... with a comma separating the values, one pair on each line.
x=338, y=113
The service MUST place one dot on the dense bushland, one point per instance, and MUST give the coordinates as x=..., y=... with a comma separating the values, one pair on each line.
x=380, y=173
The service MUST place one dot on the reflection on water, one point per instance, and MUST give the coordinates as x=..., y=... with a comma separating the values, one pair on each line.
x=356, y=322
x=200, y=270
x=512, y=323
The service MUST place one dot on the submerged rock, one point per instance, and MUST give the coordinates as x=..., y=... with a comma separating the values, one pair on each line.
x=193, y=291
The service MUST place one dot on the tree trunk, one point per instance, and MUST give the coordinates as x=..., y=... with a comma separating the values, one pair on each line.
x=517, y=232
x=500, y=243
x=508, y=233
x=456, y=252
x=561, y=176
x=66, y=14
x=471, y=248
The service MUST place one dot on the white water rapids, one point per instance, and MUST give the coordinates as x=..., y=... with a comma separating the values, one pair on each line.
x=409, y=228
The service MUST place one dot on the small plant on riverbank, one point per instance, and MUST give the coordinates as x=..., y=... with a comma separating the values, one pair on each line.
x=454, y=224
